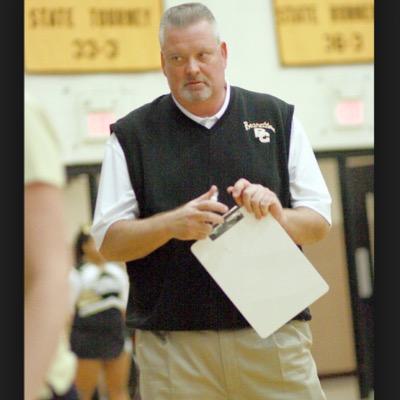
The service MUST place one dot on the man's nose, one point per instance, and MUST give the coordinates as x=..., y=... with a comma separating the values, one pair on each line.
x=192, y=66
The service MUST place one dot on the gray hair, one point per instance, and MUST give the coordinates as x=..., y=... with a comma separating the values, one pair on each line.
x=184, y=15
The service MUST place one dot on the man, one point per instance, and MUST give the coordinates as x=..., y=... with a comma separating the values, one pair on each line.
x=163, y=166
x=47, y=264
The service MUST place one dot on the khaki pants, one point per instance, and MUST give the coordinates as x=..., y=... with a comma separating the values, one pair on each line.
x=228, y=365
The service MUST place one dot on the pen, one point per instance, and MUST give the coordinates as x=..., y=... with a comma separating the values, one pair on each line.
x=214, y=197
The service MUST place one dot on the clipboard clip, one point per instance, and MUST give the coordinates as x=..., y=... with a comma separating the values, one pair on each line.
x=231, y=218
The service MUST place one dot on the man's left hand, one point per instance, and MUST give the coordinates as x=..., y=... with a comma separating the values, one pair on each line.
x=257, y=199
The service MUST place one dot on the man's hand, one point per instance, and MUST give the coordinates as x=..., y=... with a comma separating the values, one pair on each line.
x=128, y=240
x=304, y=225
x=257, y=199
x=195, y=219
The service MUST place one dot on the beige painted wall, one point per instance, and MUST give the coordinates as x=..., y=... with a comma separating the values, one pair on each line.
x=332, y=324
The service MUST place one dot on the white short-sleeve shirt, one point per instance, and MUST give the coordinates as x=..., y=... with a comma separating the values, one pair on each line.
x=116, y=199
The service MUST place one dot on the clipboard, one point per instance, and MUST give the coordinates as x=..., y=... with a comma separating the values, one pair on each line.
x=260, y=269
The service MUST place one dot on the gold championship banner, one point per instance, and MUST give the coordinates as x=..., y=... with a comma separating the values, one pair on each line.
x=325, y=31
x=75, y=36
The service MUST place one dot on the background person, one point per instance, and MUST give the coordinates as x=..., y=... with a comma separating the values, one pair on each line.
x=49, y=365
x=98, y=330
x=163, y=164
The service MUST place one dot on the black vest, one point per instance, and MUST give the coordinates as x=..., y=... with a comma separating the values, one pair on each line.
x=171, y=160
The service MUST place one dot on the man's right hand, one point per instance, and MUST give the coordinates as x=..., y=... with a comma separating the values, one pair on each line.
x=195, y=219
x=128, y=240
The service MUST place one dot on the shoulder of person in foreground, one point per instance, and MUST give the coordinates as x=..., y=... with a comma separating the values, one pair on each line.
x=42, y=155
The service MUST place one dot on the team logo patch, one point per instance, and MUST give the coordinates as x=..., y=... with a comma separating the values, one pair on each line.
x=260, y=130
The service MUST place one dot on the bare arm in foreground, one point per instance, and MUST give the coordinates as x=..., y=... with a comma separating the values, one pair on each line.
x=47, y=264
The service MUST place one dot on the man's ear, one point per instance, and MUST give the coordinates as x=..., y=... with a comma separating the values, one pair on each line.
x=162, y=62
x=224, y=51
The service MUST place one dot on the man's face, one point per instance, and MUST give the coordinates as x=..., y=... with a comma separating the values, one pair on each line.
x=194, y=64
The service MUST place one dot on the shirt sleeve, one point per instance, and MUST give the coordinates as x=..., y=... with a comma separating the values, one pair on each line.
x=307, y=185
x=125, y=288
x=119, y=272
x=116, y=199
x=42, y=158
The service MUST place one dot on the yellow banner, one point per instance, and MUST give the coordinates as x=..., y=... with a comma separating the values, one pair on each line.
x=325, y=31
x=71, y=36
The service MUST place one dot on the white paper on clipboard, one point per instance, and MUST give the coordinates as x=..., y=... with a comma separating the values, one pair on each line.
x=260, y=269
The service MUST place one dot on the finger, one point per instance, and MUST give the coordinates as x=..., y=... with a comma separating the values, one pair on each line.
x=214, y=206
x=207, y=195
x=266, y=206
x=275, y=208
x=268, y=202
x=237, y=200
x=257, y=204
x=239, y=186
x=247, y=196
x=203, y=231
x=209, y=217
x=261, y=201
